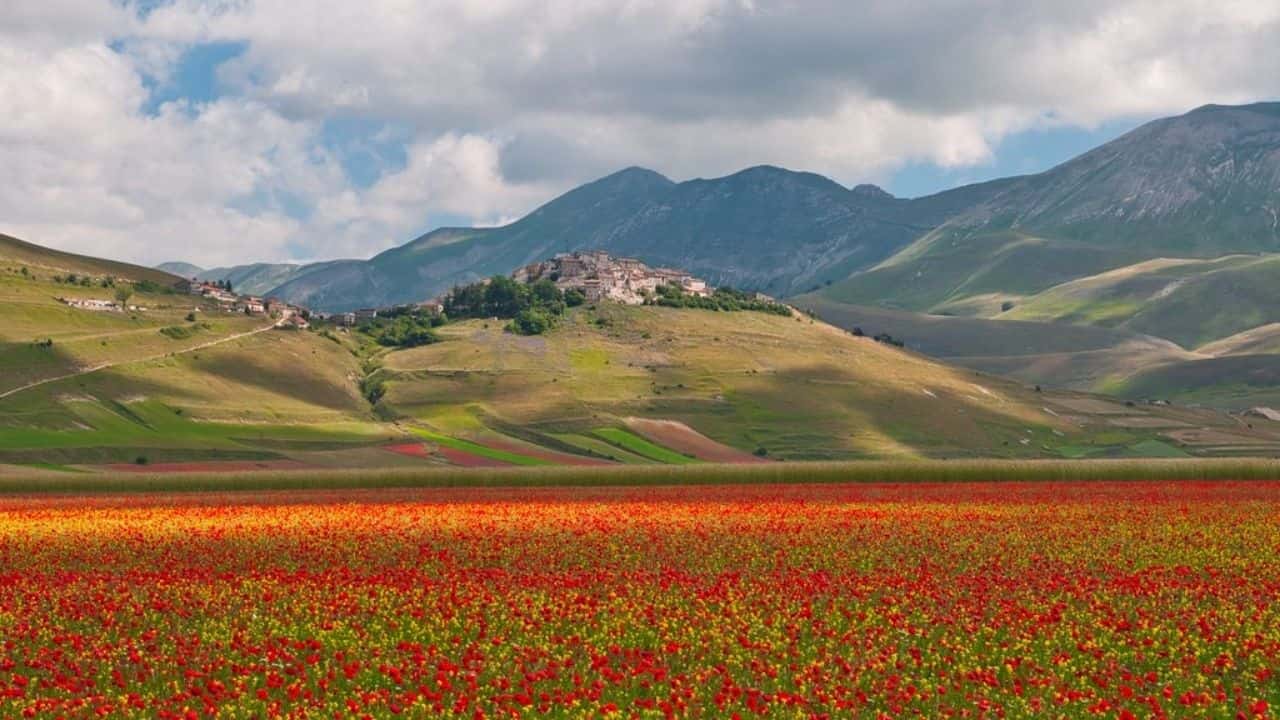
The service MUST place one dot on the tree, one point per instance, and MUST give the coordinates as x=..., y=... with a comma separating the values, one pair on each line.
x=545, y=292
x=123, y=293
x=573, y=297
x=502, y=296
x=531, y=321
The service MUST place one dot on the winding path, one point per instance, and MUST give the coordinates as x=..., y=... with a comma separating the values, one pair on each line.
x=106, y=365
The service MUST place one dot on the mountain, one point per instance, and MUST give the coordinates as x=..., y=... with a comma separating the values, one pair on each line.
x=1199, y=186
x=252, y=279
x=763, y=228
x=1202, y=185
x=181, y=269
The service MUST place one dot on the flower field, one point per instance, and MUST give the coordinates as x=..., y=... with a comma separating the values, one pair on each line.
x=988, y=600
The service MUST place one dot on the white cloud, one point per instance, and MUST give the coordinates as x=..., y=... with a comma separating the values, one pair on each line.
x=505, y=102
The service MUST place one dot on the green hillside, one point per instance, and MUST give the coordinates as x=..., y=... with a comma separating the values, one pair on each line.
x=789, y=387
x=80, y=386
x=17, y=253
x=1087, y=358
x=175, y=382
x=1191, y=302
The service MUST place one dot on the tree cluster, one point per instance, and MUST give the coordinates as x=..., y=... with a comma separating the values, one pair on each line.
x=724, y=299
x=532, y=309
x=403, y=330
x=81, y=280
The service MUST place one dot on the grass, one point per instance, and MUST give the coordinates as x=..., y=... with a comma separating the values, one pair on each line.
x=804, y=390
x=975, y=471
x=1156, y=449
x=638, y=445
x=603, y=449
x=477, y=449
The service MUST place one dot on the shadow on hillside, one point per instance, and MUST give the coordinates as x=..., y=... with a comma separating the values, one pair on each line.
x=298, y=386
x=24, y=362
x=825, y=400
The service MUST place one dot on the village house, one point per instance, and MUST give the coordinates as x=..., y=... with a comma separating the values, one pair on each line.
x=250, y=305
x=92, y=304
x=219, y=295
x=599, y=276
x=364, y=314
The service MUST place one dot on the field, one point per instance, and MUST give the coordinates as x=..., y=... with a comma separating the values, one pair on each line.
x=875, y=599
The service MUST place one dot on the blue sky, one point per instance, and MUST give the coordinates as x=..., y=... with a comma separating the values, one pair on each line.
x=231, y=131
x=1023, y=153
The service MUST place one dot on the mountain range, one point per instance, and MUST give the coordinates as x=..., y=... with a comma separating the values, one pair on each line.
x=1200, y=185
x=1166, y=236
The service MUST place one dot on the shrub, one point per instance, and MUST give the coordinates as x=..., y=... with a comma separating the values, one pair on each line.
x=531, y=321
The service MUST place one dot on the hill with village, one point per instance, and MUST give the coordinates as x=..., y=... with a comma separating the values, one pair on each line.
x=1164, y=240
x=641, y=365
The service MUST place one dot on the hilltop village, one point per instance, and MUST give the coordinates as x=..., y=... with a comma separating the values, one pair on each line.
x=595, y=275
x=599, y=276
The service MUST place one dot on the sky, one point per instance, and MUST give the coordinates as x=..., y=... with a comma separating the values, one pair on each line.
x=230, y=131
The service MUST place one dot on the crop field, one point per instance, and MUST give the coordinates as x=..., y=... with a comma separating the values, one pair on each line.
x=875, y=599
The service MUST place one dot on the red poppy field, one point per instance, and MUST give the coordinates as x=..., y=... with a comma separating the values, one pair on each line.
x=913, y=600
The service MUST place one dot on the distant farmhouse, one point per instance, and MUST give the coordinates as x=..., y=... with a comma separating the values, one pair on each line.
x=91, y=304
x=599, y=276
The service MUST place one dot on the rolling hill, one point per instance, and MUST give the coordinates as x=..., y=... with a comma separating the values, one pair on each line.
x=611, y=384
x=789, y=387
x=15, y=253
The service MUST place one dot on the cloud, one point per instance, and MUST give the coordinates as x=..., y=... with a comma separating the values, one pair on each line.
x=500, y=104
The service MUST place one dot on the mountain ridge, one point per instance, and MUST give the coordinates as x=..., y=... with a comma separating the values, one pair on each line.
x=1199, y=184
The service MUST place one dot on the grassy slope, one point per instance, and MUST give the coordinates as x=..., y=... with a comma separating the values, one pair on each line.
x=939, y=272
x=1232, y=381
x=17, y=252
x=799, y=389
x=1261, y=340
x=83, y=339
x=1200, y=331
x=257, y=396
x=1191, y=302
x=1077, y=357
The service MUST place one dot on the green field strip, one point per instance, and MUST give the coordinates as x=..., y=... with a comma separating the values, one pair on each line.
x=54, y=467
x=599, y=447
x=638, y=445
x=1155, y=449
x=478, y=449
